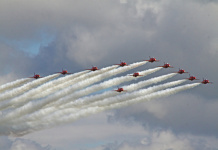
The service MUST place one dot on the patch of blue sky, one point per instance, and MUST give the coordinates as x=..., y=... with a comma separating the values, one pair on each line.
x=30, y=46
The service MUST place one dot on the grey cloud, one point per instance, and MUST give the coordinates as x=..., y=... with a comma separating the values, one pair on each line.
x=183, y=113
x=13, y=60
x=108, y=34
x=25, y=19
x=164, y=139
x=21, y=144
x=5, y=143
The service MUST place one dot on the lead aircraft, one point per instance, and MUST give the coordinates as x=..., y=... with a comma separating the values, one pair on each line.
x=205, y=81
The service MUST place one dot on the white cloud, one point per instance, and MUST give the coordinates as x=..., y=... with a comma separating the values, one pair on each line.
x=183, y=113
x=87, y=47
x=7, y=78
x=20, y=144
x=86, y=133
x=164, y=140
x=123, y=1
x=5, y=143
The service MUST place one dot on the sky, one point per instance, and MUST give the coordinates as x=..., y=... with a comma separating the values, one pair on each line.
x=46, y=36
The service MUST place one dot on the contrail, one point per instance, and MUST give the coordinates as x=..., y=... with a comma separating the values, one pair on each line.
x=37, y=92
x=51, y=87
x=149, y=82
x=13, y=84
x=133, y=95
x=33, y=106
x=46, y=87
x=19, y=90
x=107, y=94
x=108, y=101
x=155, y=95
x=55, y=85
x=154, y=80
x=100, y=86
x=72, y=116
x=149, y=71
x=69, y=115
x=69, y=82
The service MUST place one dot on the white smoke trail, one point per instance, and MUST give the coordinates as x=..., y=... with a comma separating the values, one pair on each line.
x=37, y=92
x=133, y=95
x=86, y=99
x=107, y=94
x=13, y=84
x=155, y=95
x=46, y=87
x=19, y=90
x=55, y=85
x=112, y=82
x=67, y=83
x=33, y=106
x=69, y=115
x=38, y=114
x=149, y=71
x=148, y=82
x=106, y=101
x=50, y=87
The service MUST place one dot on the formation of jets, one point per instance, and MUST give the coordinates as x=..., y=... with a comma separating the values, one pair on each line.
x=136, y=74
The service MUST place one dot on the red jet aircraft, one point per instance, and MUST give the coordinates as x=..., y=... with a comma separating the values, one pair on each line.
x=191, y=78
x=64, y=72
x=136, y=74
x=166, y=66
x=93, y=68
x=36, y=76
x=120, y=90
x=205, y=81
x=122, y=64
x=152, y=59
x=181, y=71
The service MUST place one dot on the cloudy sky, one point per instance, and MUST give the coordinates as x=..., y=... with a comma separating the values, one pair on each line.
x=46, y=36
